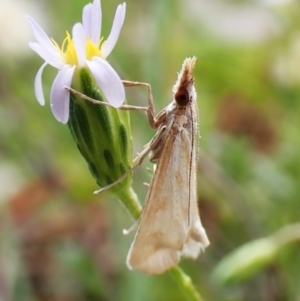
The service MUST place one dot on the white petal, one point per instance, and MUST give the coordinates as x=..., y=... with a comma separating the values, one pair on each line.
x=86, y=19
x=38, y=86
x=91, y=21
x=41, y=36
x=46, y=55
x=60, y=97
x=115, y=31
x=96, y=19
x=79, y=43
x=108, y=80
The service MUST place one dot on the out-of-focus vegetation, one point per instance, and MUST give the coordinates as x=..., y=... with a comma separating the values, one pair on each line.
x=58, y=241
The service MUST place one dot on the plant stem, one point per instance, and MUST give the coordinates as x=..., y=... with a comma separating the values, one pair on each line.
x=185, y=283
x=129, y=199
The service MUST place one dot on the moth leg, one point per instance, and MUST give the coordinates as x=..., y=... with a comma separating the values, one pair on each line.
x=150, y=146
x=136, y=162
x=150, y=170
x=98, y=102
x=132, y=227
x=117, y=181
x=154, y=120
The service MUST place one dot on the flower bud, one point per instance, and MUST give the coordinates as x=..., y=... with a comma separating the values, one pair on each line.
x=102, y=134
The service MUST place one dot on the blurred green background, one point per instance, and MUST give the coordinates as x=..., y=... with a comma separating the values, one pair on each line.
x=58, y=241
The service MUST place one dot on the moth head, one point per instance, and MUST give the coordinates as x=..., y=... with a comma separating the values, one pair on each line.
x=182, y=96
x=183, y=89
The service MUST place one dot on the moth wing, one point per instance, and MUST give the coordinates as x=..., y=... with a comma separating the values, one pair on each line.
x=197, y=239
x=164, y=229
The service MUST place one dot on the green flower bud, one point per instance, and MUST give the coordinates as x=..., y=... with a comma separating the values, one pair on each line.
x=102, y=134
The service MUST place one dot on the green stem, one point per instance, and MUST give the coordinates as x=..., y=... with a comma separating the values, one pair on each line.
x=130, y=200
x=185, y=284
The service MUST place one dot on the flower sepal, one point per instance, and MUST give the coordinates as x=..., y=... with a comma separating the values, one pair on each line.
x=102, y=134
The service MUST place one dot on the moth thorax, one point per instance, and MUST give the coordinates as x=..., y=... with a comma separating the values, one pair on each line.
x=182, y=96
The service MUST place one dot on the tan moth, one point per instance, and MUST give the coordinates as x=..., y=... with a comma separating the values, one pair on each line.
x=169, y=225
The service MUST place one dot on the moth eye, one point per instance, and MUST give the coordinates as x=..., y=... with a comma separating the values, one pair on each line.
x=182, y=97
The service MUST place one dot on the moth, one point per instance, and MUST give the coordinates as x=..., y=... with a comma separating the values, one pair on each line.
x=169, y=225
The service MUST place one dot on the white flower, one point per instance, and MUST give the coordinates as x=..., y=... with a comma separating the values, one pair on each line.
x=84, y=49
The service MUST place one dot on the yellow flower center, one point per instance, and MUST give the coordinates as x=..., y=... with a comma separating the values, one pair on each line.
x=68, y=51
